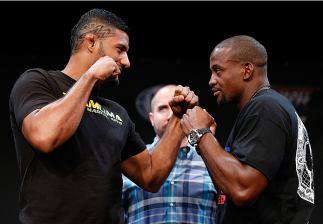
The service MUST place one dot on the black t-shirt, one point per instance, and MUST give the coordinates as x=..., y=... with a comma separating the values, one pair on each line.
x=80, y=181
x=269, y=136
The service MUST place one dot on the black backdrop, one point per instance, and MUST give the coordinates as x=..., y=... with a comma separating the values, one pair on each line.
x=170, y=42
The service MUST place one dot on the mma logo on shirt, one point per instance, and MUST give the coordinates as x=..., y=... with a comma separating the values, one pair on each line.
x=95, y=107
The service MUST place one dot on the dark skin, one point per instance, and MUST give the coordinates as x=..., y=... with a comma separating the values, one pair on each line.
x=98, y=61
x=231, y=82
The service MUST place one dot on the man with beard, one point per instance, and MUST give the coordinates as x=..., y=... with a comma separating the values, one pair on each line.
x=265, y=173
x=73, y=145
x=187, y=196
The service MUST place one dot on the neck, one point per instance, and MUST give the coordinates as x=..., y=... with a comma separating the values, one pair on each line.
x=251, y=92
x=76, y=66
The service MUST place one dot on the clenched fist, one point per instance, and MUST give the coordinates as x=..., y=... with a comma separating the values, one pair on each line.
x=182, y=100
x=104, y=69
x=197, y=118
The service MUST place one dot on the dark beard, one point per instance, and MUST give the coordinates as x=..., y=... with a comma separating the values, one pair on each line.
x=222, y=102
x=98, y=56
x=113, y=82
x=100, y=53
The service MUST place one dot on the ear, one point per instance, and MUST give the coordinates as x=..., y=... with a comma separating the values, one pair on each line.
x=248, y=70
x=90, y=42
x=151, y=118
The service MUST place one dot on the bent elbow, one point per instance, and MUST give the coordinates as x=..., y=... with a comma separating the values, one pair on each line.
x=42, y=134
x=243, y=200
x=43, y=147
x=242, y=203
x=152, y=188
x=41, y=143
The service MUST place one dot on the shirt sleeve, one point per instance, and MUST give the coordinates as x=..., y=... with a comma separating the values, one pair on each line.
x=30, y=92
x=134, y=144
x=260, y=143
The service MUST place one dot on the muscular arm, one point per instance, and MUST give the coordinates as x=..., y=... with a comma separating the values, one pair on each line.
x=240, y=182
x=149, y=170
x=49, y=127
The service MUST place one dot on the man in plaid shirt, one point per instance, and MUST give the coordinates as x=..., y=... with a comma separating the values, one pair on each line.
x=188, y=194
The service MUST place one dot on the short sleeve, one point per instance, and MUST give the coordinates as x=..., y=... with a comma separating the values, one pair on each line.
x=134, y=144
x=261, y=144
x=30, y=92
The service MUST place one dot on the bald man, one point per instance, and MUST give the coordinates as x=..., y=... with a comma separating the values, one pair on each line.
x=265, y=172
x=187, y=196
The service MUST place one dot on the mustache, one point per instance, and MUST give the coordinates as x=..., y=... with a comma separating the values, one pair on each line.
x=214, y=89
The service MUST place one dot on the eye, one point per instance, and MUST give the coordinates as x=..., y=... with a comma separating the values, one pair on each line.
x=162, y=108
x=218, y=71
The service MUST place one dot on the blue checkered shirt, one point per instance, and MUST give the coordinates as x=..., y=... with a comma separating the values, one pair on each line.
x=187, y=196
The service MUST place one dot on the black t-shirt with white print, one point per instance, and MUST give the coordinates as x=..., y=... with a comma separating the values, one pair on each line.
x=269, y=136
x=80, y=181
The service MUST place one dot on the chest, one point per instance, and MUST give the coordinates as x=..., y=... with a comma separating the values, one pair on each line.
x=103, y=126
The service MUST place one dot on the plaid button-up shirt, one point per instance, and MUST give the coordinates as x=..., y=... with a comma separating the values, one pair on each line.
x=187, y=196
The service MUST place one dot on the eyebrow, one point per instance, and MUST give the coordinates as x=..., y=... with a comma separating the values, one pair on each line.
x=162, y=105
x=124, y=47
x=216, y=66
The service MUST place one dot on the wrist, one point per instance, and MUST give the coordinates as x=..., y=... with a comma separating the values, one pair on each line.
x=174, y=124
x=195, y=135
x=201, y=143
x=90, y=76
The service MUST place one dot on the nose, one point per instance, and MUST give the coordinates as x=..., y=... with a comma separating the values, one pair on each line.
x=125, y=61
x=213, y=80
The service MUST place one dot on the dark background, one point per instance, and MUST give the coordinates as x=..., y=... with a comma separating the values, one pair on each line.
x=170, y=43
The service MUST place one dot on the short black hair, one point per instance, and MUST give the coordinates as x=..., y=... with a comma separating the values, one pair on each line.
x=246, y=49
x=97, y=22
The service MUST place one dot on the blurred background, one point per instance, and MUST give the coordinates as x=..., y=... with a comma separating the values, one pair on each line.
x=170, y=42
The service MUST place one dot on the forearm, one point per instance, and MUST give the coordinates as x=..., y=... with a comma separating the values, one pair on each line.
x=228, y=173
x=149, y=170
x=165, y=153
x=49, y=127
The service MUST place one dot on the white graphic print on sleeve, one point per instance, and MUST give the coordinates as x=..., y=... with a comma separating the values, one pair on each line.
x=304, y=164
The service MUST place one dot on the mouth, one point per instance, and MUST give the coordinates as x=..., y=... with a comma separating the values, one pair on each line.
x=216, y=91
x=115, y=75
x=112, y=77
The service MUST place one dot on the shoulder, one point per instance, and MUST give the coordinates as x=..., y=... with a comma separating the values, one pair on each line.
x=268, y=103
x=31, y=76
x=271, y=106
x=32, y=73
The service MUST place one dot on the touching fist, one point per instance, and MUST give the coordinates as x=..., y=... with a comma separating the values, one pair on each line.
x=182, y=100
x=197, y=118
